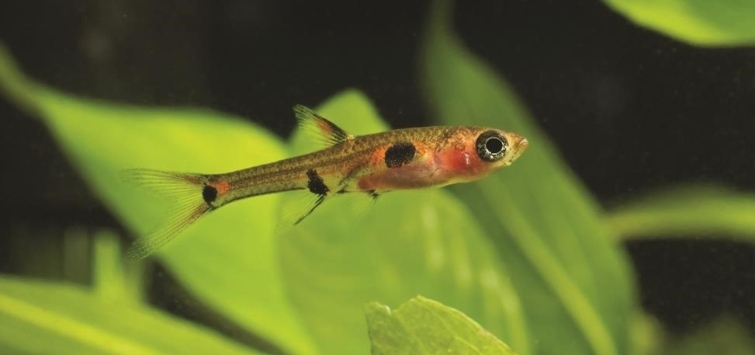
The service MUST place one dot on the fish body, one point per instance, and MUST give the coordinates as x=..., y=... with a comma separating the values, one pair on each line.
x=374, y=164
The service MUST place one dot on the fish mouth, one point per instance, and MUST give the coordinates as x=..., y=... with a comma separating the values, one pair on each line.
x=519, y=148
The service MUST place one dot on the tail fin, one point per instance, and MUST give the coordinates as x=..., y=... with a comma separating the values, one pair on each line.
x=184, y=190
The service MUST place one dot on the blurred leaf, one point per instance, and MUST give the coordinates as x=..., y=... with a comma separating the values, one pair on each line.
x=684, y=211
x=227, y=259
x=406, y=243
x=725, y=336
x=698, y=22
x=574, y=284
x=109, y=276
x=647, y=334
x=424, y=326
x=48, y=318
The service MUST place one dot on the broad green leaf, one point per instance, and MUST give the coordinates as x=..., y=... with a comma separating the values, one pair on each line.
x=424, y=326
x=351, y=251
x=698, y=22
x=228, y=259
x=38, y=317
x=684, y=211
x=575, y=285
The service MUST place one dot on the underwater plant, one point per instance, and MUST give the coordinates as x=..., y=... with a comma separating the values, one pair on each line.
x=522, y=262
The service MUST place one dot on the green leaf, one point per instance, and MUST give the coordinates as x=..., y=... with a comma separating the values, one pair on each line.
x=646, y=334
x=406, y=243
x=39, y=317
x=574, y=283
x=424, y=326
x=229, y=259
x=697, y=22
x=687, y=210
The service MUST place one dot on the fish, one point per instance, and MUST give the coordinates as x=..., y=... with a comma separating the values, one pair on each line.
x=374, y=164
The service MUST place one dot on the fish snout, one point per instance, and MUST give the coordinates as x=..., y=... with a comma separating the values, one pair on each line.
x=520, y=145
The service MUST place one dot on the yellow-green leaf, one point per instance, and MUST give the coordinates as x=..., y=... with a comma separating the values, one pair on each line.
x=424, y=326
x=574, y=284
x=229, y=259
x=698, y=22
x=351, y=251
x=38, y=317
x=685, y=211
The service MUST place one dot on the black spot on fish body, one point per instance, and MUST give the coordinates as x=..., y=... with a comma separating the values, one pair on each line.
x=399, y=154
x=315, y=184
x=209, y=194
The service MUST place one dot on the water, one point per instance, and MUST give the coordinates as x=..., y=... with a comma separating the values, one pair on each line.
x=629, y=110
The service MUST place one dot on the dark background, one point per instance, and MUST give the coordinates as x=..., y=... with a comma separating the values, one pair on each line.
x=630, y=109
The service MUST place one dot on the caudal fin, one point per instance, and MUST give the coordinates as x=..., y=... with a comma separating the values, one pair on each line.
x=184, y=192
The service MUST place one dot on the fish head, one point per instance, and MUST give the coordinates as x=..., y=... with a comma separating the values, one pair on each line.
x=473, y=152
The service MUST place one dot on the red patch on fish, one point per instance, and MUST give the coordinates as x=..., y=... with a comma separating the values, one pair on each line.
x=461, y=162
x=222, y=186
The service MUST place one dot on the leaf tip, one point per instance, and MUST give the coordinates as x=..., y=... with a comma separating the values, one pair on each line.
x=13, y=83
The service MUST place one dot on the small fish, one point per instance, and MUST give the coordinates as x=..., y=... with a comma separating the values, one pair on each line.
x=374, y=164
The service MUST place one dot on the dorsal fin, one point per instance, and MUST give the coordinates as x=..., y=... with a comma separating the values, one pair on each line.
x=327, y=130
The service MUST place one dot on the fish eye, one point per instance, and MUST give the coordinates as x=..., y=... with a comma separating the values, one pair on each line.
x=491, y=146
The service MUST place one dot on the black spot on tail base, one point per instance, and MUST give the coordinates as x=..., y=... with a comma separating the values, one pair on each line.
x=315, y=183
x=209, y=194
x=401, y=153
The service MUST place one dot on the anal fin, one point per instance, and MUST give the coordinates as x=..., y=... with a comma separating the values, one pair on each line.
x=295, y=207
x=320, y=199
